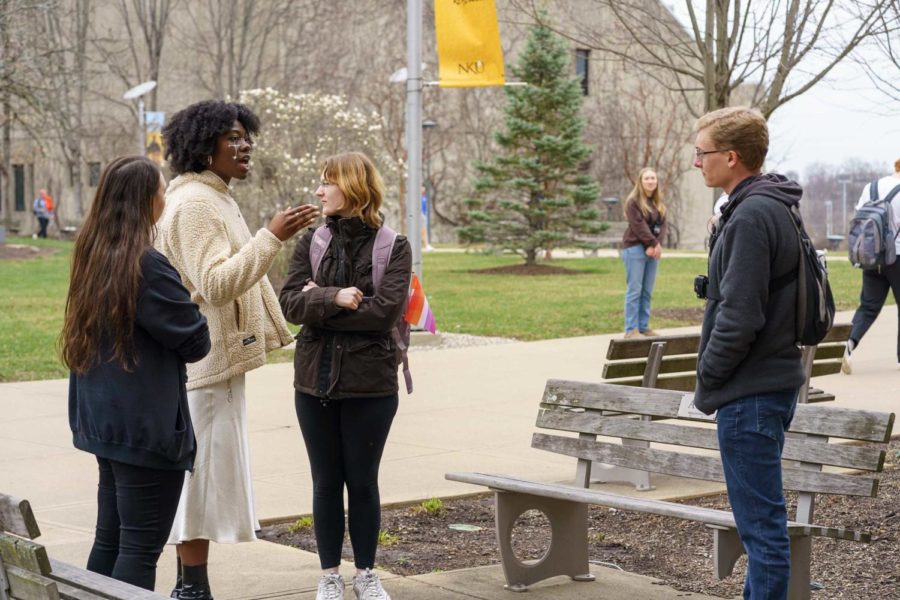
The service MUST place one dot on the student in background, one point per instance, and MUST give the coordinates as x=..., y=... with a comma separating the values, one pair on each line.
x=641, y=250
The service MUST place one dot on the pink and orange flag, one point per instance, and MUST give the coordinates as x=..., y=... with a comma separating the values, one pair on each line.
x=418, y=313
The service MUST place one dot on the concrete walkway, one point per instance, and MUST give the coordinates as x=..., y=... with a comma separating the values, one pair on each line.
x=473, y=409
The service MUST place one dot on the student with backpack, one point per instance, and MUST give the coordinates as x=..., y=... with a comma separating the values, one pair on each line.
x=346, y=360
x=874, y=245
x=748, y=365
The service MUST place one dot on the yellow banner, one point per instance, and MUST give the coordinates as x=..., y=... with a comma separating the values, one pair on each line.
x=468, y=41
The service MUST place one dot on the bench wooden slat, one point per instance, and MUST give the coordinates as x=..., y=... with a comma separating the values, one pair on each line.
x=640, y=347
x=103, y=587
x=835, y=455
x=632, y=368
x=831, y=421
x=17, y=517
x=700, y=514
x=23, y=553
x=846, y=423
x=25, y=585
x=833, y=350
x=826, y=367
x=708, y=468
x=680, y=372
x=839, y=332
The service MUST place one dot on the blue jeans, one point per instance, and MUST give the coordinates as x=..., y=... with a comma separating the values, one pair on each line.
x=751, y=438
x=640, y=275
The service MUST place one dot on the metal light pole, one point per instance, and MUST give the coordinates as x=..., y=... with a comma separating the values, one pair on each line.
x=829, y=219
x=844, y=180
x=137, y=92
x=414, y=131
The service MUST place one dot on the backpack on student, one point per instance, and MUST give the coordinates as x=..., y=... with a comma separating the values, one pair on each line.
x=815, y=302
x=381, y=256
x=870, y=238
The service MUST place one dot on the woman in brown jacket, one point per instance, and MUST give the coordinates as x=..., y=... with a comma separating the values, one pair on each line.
x=641, y=250
x=345, y=365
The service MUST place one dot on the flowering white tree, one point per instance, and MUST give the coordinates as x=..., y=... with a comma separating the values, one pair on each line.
x=298, y=132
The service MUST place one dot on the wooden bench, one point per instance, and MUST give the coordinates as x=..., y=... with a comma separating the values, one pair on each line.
x=670, y=362
x=581, y=408
x=27, y=573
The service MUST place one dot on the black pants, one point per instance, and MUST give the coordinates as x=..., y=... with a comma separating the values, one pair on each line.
x=875, y=286
x=43, y=224
x=135, y=510
x=345, y=440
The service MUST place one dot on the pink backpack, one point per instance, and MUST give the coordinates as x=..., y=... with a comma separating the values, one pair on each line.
x=381, y=256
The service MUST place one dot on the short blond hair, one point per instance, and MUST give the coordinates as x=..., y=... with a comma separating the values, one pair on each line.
x=741, y=129
x=359, y=180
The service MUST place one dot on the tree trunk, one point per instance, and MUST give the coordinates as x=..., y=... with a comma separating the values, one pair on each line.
x=530, y=257
x=6, y=177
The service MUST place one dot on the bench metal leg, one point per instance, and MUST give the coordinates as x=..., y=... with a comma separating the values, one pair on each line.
x=727, y=548
x=801, y=551
x=568, y=552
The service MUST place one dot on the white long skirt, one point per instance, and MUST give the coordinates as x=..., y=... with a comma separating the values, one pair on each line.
x=217, y=499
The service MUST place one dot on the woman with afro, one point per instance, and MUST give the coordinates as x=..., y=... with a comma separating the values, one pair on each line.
x=223, y=265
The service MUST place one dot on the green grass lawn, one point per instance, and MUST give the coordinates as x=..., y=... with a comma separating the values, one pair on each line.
x=33, y=292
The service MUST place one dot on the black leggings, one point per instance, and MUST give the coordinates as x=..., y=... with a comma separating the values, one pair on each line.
x=135, y=510
x=345, y=440
x=875, y=287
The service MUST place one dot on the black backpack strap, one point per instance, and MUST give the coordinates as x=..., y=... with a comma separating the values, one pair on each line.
x=873, y=191
x=892, y=193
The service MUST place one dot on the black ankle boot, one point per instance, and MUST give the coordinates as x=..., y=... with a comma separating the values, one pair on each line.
x=179, y=582
x=195, y=591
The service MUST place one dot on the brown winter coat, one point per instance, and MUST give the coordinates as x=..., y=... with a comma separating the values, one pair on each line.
x=357, y=343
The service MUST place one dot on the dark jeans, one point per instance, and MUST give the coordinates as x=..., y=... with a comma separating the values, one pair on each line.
x=135, y=510
x=345, y=440
x=875, y=286
x=751, y=438
x=43, y=224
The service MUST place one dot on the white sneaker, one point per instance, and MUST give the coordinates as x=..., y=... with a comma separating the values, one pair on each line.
x=846, y=365
x=367, y=586
x=331, y=587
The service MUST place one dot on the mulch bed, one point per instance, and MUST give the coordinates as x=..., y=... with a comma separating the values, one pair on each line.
x=672, y=550
x=527, y=270
x=23, y=252
x=693, y=316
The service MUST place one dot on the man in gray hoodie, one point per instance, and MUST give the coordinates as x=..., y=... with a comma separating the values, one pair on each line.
x=748, y=365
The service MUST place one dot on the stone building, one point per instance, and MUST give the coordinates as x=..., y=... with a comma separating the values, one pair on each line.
x=216, y=49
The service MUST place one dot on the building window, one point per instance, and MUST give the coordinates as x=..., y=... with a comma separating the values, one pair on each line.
x=582, y=62
x=93, y=174
x=19, y=176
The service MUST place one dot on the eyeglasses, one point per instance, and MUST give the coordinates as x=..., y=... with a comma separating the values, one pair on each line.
x=699, y=154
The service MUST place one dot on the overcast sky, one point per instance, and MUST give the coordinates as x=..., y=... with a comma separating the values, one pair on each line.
x=837, y=120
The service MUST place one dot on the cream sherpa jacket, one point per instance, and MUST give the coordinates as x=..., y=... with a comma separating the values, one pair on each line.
x=204, y=236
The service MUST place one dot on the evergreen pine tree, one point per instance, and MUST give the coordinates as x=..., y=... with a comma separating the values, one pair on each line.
x=534, y=195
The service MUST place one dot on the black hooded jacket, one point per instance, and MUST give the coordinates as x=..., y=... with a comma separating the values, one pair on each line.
x=141, y=416
x=747, y=344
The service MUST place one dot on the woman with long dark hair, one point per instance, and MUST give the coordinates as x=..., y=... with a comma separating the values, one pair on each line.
x=129, y=329
x=641, y=250
x=345, y=364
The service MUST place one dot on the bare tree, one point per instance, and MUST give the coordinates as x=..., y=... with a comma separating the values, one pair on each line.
x=67, y=78
x=884, y=71
x=776, y=50
x=635, y=125
x=133, y=48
